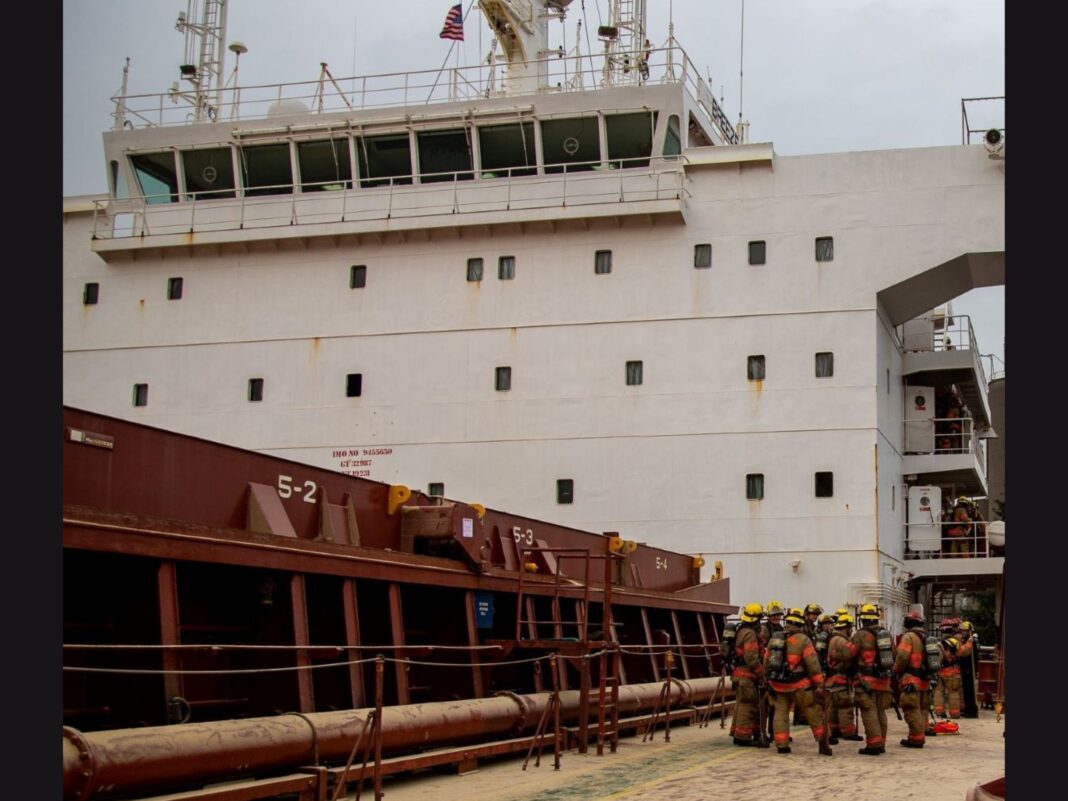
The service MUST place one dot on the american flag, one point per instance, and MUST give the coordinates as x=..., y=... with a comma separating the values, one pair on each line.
x=454, y=24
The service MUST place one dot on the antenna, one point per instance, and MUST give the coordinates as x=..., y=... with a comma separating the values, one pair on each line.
x=120, y=101
x=743, y=126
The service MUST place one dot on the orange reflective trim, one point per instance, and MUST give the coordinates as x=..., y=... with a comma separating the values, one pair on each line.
x=749, y=646
x=904, y=645
x=782, y=739
x=808, y=650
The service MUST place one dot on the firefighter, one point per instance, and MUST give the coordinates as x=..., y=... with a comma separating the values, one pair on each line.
x=812, y=616
x=872, y=688
x=746, y=677
x=969, y=672
x=841, y=665
x=793, y=672
x=947, y=693
x=771, y=624
x=911, y=665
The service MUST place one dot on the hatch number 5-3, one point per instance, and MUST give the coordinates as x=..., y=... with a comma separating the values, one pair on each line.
x=307, y=490
x=523, y=537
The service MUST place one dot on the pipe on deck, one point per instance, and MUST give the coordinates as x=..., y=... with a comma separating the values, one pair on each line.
x=125, y=761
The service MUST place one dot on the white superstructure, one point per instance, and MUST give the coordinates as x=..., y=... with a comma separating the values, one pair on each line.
x=340, y=279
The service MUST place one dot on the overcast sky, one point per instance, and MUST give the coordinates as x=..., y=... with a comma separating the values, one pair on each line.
x=820, y=75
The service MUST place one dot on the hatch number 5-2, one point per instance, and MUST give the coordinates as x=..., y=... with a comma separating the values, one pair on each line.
x=307, y=490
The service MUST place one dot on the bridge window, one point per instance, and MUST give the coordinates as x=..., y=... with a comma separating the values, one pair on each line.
x=157, y=176
x=575, y=142
x=507, y=150
x=324, y=165
x=672, y=138
x=382, y=159
x=444, y=156
x=209, y=173
x=266, y=170
x=630, y=138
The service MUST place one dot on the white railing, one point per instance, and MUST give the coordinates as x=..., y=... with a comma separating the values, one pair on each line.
x=949, y=539
x=465, y=192
x=940, y=334
x=951, y=435
x=666, y=65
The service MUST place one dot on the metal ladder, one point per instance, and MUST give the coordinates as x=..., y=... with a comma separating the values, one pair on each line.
x=608, y=700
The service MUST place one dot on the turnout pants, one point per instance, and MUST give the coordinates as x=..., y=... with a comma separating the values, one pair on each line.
x=806, y=700
x=947, y=696
x=745, y=709
x=842, y=712
x=873, y=705
x=914, y=704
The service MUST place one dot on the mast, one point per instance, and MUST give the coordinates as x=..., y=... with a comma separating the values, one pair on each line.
x=522, y=29
x=626, y=44
x=204, y=26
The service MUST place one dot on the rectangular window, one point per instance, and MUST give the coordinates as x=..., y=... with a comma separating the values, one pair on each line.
x=574, y=142
x=266, y=169
x=436, y=489
x=209, y=173
x=602, y=262
x=140, y=395
x=702, y=256
x=174, y=288
x=324, y=165
x=754, y=486
x=634, y=373
x=507, y=150
x=824, y=365
x=384, y=160
x=506, y=268
x=503, y=379
x=893, y=496
x=444, y=156
x=824, y=485
x=758, y=252
x=354, y=385
x=887, y=380
x=474, y=269
x=565, y=490
x=756, y=368
x=358, y=276
x=91, y=293
x=255, y=389
x=157, y=176
x=824, y=248
x=630, y=138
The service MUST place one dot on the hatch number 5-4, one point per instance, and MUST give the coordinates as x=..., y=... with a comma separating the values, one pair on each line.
x=307, y=490
x=661, y=563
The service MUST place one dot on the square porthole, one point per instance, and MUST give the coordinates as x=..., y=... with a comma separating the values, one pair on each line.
x=140, y=395
x=565, y=490
x=758, y=252
x=436, y=489
x=824, y=365
x=503, y=379
x=755, y=368
x=354, y=385
x=255, y=389
x=474, y=269
x=825, y=485
x=358, y=276
x=91, y=294
x=702, y=256
x=174, y=288
x=754, y=486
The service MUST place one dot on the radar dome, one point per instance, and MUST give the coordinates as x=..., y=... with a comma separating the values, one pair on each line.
x=286, y=108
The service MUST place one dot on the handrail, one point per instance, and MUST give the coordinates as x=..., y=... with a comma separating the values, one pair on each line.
x=367, y=198
x=953, y=540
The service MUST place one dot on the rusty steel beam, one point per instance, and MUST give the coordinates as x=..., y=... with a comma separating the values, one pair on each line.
x=122, y=762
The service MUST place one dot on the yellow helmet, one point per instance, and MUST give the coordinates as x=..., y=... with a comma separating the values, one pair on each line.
x=795, y=616
x=751, y=613
x=965, y=626
x=844, y=619
x=813, y=609
x=841, y=610
x=826, y=619
x=868, y=612
x=774, y=608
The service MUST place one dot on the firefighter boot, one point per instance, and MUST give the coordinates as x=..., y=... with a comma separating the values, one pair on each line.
x=784, y=749
x=870, y=750
x=911, y=744
x=826, y=749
